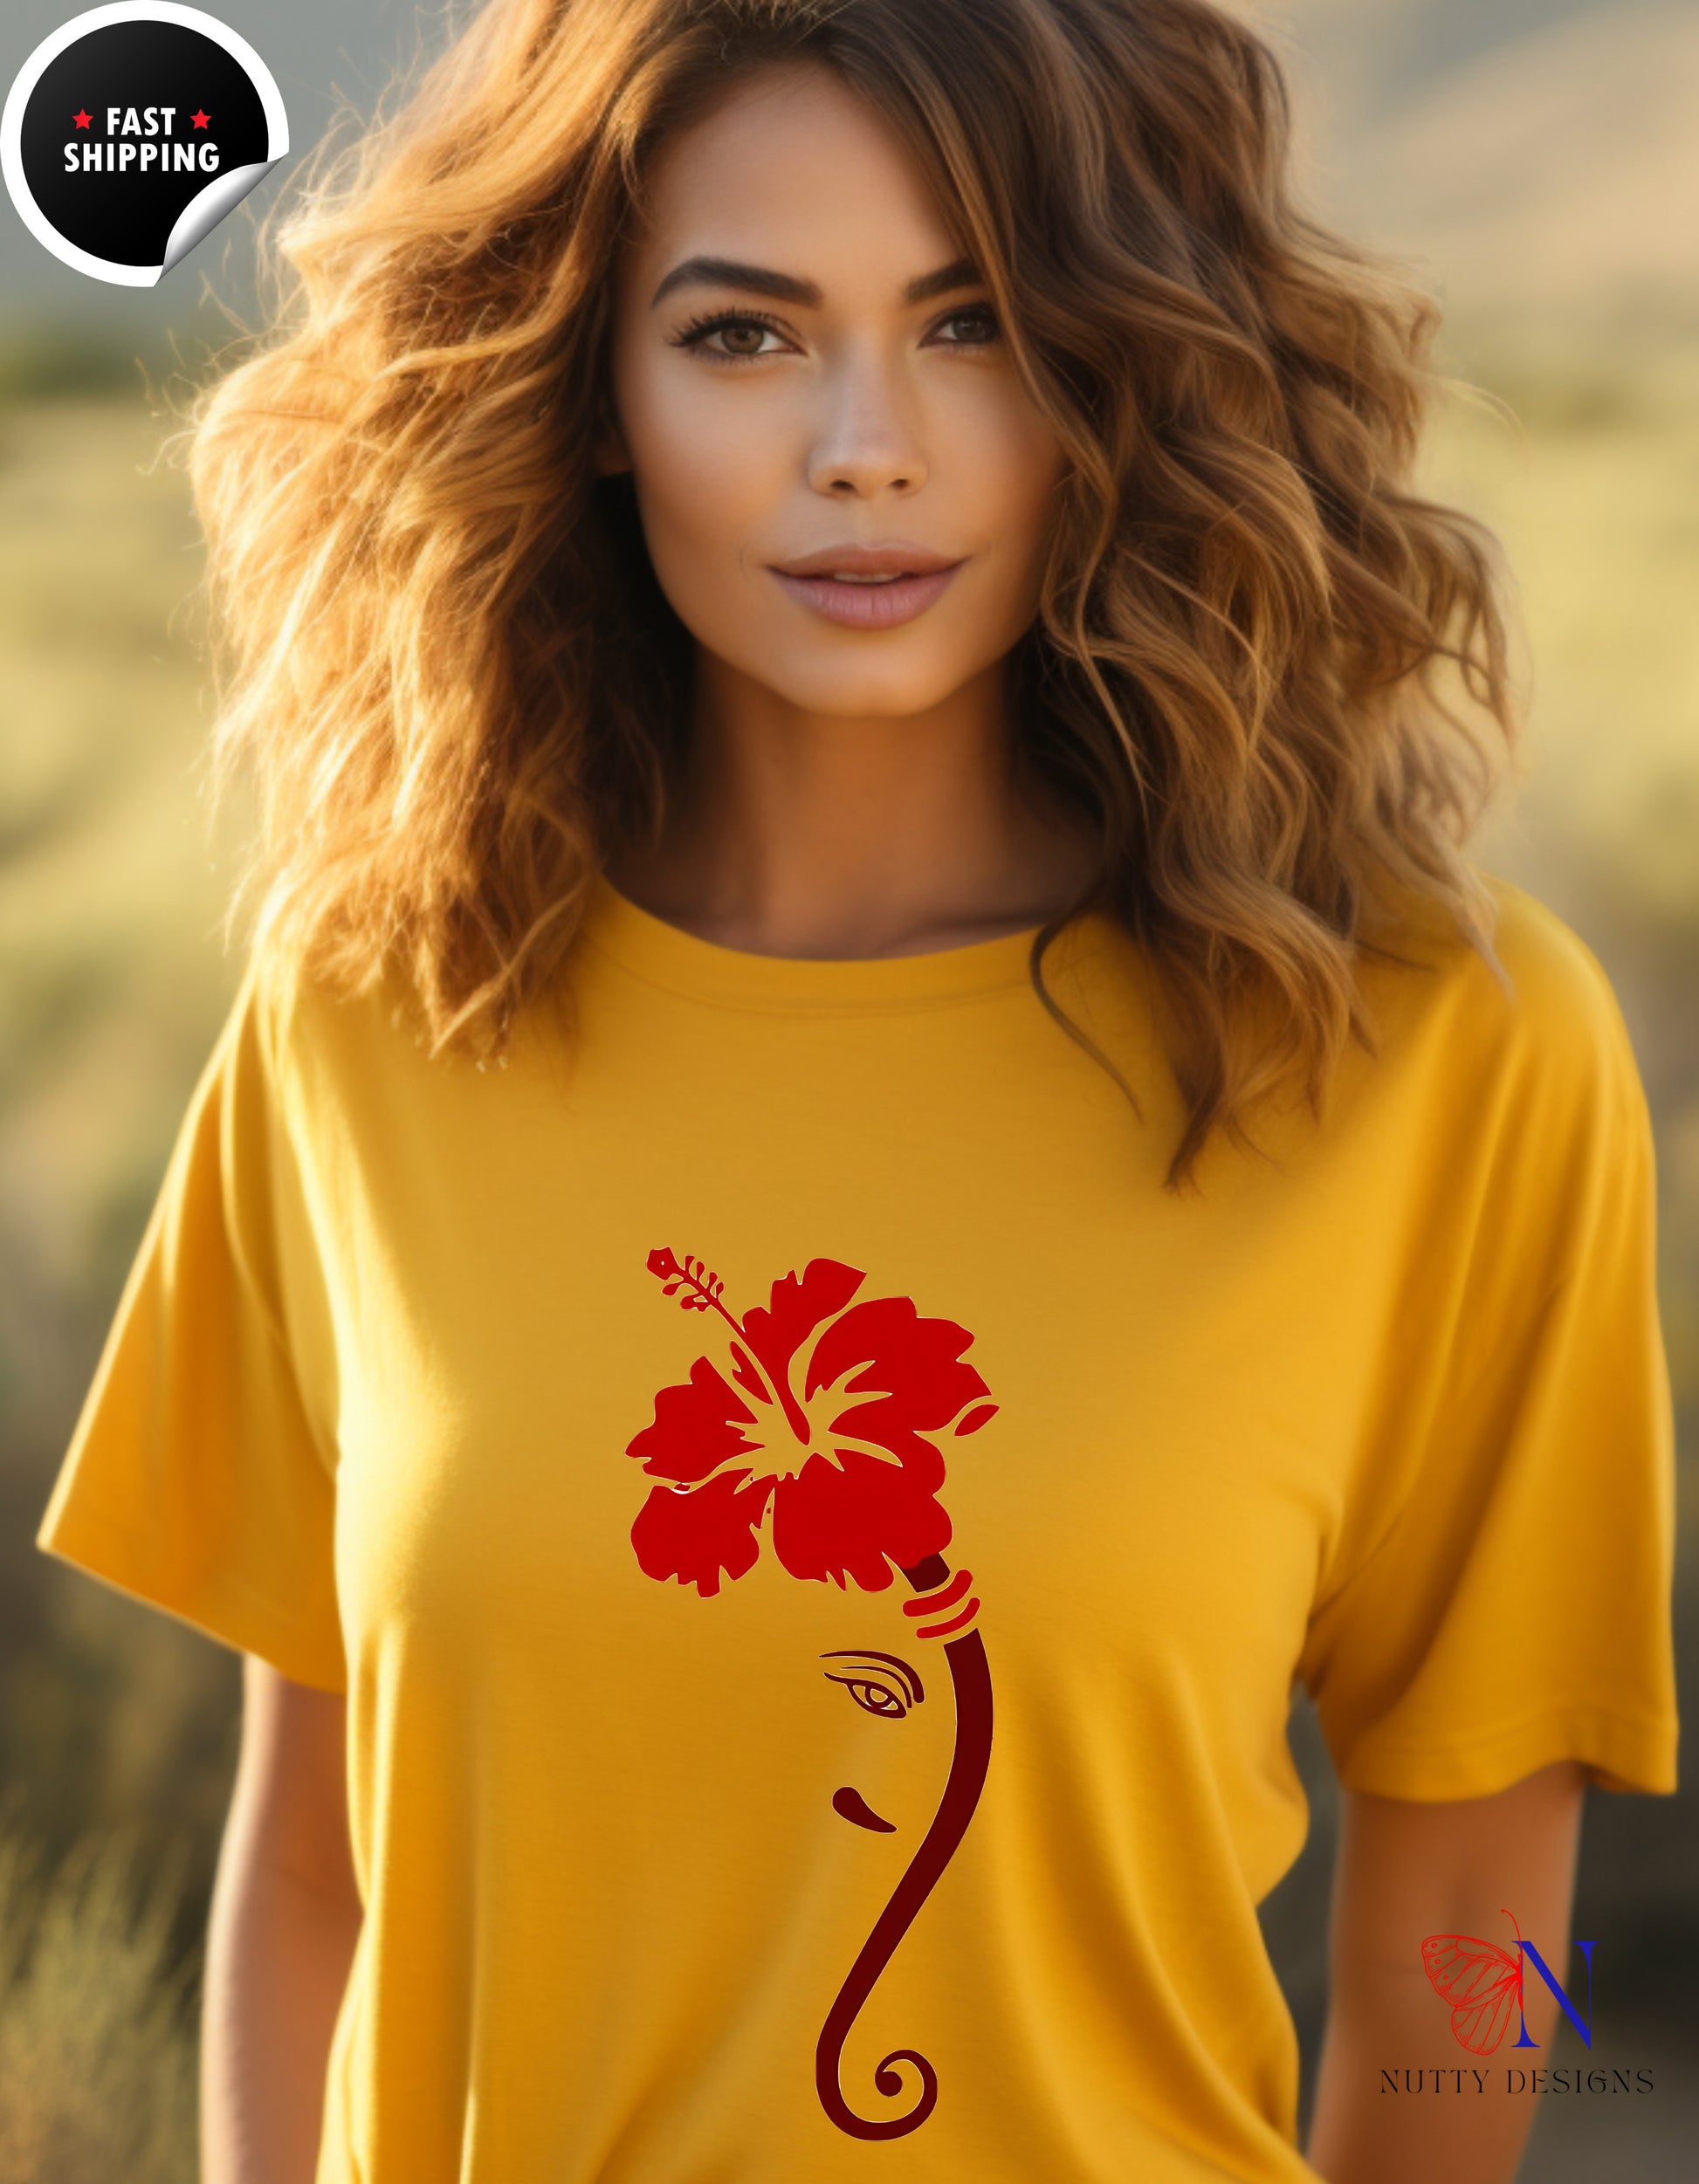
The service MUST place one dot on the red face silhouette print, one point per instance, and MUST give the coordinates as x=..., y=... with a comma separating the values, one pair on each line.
x=827, y=1407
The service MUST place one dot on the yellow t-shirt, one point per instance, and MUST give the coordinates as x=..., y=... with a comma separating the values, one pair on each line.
x=819, y=1544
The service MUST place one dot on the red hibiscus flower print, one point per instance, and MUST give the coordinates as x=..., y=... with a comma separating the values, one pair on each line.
x=824, y=1405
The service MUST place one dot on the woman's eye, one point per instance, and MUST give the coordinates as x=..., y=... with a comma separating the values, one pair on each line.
x=741, y=333
x=980, y=318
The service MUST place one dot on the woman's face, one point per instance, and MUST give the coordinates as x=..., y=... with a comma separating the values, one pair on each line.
x=836, y=380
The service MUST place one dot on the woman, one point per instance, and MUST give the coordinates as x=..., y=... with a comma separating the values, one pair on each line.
x=831, y=589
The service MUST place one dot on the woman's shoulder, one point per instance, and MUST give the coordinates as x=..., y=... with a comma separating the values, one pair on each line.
x=1536, y=991
x=310, y=1034
x=1560, y=985
x=1526, y=1032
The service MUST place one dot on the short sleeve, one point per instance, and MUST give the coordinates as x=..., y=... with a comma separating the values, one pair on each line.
x=1515, y=1609
x=193, y=1478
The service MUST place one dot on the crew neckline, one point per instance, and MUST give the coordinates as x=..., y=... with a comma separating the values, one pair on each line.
x=668, y=956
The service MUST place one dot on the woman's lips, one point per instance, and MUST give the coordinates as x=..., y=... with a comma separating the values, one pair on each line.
x=868, y=606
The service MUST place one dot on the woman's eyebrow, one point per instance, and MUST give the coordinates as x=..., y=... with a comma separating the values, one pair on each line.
x=728, y=273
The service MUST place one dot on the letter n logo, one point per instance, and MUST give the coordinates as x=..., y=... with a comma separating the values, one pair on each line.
x=1584, y=2027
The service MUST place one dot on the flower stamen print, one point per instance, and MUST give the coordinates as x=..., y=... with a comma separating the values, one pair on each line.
x=849, y=1463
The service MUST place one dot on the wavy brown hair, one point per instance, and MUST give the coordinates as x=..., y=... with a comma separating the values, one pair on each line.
x=444, y=656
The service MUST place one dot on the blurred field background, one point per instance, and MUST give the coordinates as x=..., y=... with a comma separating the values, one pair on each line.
x=1534, y=161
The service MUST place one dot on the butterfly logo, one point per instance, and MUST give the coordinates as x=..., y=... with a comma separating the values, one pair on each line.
x=1481, y=1983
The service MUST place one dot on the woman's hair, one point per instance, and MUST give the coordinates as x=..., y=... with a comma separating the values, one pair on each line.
x=446, y=659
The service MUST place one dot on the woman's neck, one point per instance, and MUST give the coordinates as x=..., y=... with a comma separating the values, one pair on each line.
x=815, y=835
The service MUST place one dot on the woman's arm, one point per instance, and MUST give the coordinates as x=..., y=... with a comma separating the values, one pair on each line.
x=1405, y=1870
x=285, y=1916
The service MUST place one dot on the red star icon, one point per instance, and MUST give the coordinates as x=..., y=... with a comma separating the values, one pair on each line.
x=81, y=119
x=199, y=118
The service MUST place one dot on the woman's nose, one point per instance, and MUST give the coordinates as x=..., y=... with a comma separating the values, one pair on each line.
x=867, y=442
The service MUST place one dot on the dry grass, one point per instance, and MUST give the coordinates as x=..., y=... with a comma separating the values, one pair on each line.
x=97, y=2040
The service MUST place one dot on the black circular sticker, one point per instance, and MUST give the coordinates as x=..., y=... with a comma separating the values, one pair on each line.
x=131, y=132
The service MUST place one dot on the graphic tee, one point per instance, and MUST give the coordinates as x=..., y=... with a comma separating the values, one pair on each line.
x=819, y=1543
